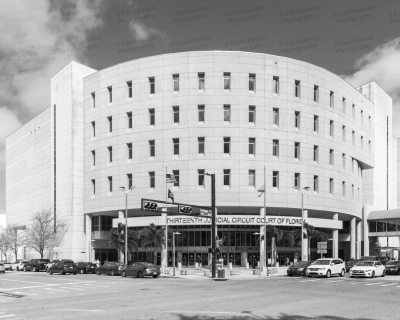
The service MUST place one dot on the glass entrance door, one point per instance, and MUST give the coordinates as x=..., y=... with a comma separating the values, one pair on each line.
x=191, y=259
x=238, y=259
x=185, y=259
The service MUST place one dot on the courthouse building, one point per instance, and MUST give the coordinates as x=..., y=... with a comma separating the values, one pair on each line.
x=227, y=113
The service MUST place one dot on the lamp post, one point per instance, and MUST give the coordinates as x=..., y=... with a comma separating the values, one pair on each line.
x=108, y=248
x=333, y=247
x=24, y=253
x=213, y=226
x=126, y=220
x=265, y=262
x=173, y=249
x=302, y=217
x=256, y=234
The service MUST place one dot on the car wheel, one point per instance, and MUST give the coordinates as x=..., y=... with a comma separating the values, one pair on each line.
x=34, y=269
x=342, y=273
x=81, y=271
x=290, y=275
x=328, y=274
x=74, y=273
x=373, y=274
x=50, y=271
x=123, y=274
x=61, y=272
x=17, y=269
x=383, y=273
x=351, y=276
x=25, y=269
x=309, y=276
x=140, y=274
x=11, y=269
x=112, y=273
x=98, y=272
x=155, y=276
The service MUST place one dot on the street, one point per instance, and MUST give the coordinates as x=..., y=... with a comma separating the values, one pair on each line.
x=29, y=295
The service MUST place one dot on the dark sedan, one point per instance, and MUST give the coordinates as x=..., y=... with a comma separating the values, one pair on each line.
x=298, y=269
x=86, y=267
x=392, y=267
x=111, y=268
x=350, y=264
x=140, y=270
x=63, y=267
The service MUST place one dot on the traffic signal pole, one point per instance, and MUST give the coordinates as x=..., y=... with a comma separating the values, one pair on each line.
x=213, y=226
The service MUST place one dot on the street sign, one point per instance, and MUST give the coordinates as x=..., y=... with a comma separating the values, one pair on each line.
x=175, y=208
x=322, y=251
x=150, y=206
x=322, y=245
x=185, y=209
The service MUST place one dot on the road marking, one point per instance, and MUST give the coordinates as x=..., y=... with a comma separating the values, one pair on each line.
x=94, y=285
x=56, y=289
x=330, y=281
x=20, y=281
x=309, y=280
x=8, y=315
x=73, y=288
x=373, y=284
x=45, y=285
x=25, y=293
x=390, y=284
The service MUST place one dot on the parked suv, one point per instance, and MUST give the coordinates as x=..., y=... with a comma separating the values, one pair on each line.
x=63, y=267
x=36, y=265
x=326, y=267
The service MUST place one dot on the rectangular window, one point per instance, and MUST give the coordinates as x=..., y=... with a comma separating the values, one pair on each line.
x=252, y=82
x=109, y=124
x=109, y=94
x=252, y=114
x=331, y=128
x=94, y=157
x=227, y=176
x=343, y=161
x=297, y=119
x=201, y=76
x=109, y=154
x=227, y=143
x=252, y=178
x=316, y=153
x=94, y=186
x=201, y=176
x=316, y=94
x=344, y=105
x=152, y=117
x=331, y=186
x=331, y=99
x=201, y=113
x=297, y=180
x=331, y=157
x=130, y=153
x=93, y=100
x=353, y=137
x=175, y=77
x=275, y=148
x=252, y=146
x=343, y=188
x=362, y=117
x=93, y=129
x=152, y=179
x=316, y=123
x=176, y=114
x=130, y=181
x=110, y=184
x=275, y=119
x=227, y=81
x=176, y=174
x=316, y=183
x=129, y=85
x=176, y=145
x=297, y=88
x=152, y=146
x=201, y=141
x=354, y=111
x=344, y=133
x=276, y=84
x=227, y=113
x=275, y=179
x=297, y=150
x=129, y=116
x=152, y=85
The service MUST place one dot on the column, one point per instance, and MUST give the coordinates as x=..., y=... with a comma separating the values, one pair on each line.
x=358, y=244
x=262, y=243
x=352, y=238
x=304, y=242
x=335, y=237
x=89, y=255
x=244, y=258
x=164, y=255
x=365, y=233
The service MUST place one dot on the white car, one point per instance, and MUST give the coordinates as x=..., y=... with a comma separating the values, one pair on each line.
x=368, y=269
x=2, y=267
x=326, y=267
x=18, y=265
x=7, y=265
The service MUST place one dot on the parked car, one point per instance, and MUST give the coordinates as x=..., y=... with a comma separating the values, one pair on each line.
x=53, y=262
x=111, y=268
x=2, y=267
x=299, y=268
x=350, y=264
x=63, y=267
x=19, y=265
x=86, y=267
x=36, y=265
x=368, y=269
x=326, y=267
x=7, y=266
x=140, y=270
x=393, y=267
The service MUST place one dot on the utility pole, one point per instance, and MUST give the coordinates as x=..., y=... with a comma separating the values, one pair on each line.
x=213, y=226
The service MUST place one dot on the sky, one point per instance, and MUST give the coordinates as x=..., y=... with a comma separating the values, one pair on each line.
x=358, y=40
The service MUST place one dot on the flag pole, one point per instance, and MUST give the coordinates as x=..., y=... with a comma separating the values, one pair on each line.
x=166, y=217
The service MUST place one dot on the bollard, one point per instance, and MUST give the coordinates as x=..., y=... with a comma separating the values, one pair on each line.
x=247, y=266
x=230, y=265
x=179, y=265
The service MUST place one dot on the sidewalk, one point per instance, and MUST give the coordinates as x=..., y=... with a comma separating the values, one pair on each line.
x=237, y=273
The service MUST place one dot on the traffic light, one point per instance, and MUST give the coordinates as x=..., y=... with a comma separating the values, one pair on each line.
x=185, y=210
x=151, y=206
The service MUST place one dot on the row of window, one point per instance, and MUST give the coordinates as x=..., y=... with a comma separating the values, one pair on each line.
x=227, y=150
x=227, y=181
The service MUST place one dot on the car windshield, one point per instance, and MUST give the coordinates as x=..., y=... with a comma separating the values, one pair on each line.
x=365, y=264
x=393, y=263
x=322, y=262
x=300, y=264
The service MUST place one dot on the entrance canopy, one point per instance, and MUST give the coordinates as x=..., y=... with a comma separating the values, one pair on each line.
x=384, y=214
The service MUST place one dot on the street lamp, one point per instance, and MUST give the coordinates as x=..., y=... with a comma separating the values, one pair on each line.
x=256, y=234
x=24, y=253
x=213, y=226
x=333, y=247
x=173, y=248
x=265, y=262
x=302, y=219
x=126, y=219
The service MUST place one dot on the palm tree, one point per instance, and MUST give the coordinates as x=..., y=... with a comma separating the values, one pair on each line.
x=117, y=236
x=310, y=233
x=151, y=235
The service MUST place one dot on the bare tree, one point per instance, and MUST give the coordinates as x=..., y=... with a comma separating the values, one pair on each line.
x=13, y=238
x=4, y=247
x=40, y=234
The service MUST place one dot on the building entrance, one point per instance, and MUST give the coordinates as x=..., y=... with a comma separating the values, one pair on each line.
x=284, y=257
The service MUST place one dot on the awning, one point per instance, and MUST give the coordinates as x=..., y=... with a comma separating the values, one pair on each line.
x=384, y=214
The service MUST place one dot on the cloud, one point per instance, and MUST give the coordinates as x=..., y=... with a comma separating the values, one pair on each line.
x=141, y=31
x=382, y=65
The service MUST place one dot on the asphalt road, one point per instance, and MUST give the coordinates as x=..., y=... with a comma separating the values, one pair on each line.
x=29, y=295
